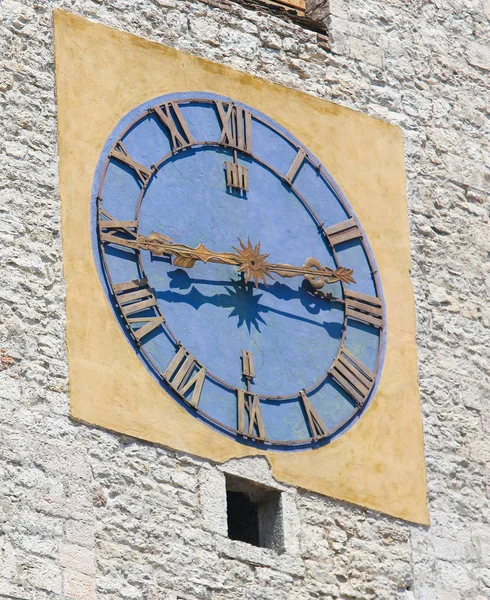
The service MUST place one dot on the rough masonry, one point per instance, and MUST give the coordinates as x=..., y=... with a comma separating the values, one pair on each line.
x=87, y=514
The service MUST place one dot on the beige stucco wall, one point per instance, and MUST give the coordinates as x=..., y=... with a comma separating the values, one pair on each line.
x=101, y=75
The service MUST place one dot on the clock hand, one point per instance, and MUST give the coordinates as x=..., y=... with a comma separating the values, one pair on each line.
x=247, y=259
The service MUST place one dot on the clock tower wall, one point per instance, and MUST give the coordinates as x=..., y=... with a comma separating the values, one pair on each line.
x=88, y=513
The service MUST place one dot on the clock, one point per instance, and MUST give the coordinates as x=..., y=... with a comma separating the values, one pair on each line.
x=238, y=271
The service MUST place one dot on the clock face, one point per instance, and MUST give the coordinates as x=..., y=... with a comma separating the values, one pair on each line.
x=238, y=271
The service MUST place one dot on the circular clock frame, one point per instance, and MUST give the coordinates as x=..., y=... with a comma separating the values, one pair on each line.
x=366, y=309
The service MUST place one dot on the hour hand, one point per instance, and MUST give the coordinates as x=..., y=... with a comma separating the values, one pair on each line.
x=314, y=273
x=247, y=259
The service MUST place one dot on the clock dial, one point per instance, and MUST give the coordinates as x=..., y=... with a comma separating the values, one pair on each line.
x=238, y=271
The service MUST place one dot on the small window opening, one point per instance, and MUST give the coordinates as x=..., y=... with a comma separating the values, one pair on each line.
x=254, y=513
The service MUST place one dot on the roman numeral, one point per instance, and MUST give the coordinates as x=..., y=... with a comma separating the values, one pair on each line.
x=171, y=116
x=120, y=153
x=249, y=404
x=342, y=232
x=356, y=379
x=295, y=167
x=185, y=374
x=117, y=232
x=362, y=307
x=236, y=126
x=236, y=176
x=316, y=425
x=134, y=297
x=248, y=370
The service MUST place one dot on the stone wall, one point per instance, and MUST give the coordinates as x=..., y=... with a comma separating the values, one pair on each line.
x=85, y=513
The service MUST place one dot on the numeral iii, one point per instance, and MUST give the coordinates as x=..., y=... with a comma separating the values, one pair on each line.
x=364, y=308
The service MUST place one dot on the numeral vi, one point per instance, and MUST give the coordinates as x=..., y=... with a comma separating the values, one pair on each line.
x=249, y=405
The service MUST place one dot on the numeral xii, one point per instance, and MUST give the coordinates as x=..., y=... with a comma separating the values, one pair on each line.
x=236, y=126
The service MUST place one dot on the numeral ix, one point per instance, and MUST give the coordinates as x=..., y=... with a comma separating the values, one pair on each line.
x=121, y=154
x=117, y=232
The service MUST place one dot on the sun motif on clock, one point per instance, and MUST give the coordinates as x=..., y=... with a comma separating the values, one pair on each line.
x=238, y=271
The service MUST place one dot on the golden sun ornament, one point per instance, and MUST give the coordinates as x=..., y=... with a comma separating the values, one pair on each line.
x=252, y=263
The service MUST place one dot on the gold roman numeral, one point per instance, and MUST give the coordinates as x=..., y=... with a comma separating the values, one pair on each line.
x=120, y=153
x=171, y=116
x=117, y=232
x=185, y=374
x=317, y=427
x=249, y=404
x=236, y=176
x=356, y=379
x=236, y=126
x=362, y=307
x=134, y=297
x=248, y=370
x=343, y=232
x=295, y=166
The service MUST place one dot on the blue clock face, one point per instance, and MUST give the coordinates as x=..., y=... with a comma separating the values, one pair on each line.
x=238, y=271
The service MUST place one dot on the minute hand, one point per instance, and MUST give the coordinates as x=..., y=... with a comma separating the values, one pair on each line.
x=314, y=272
x=247, y=259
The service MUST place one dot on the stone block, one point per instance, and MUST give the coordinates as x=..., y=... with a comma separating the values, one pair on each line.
x=80, y=533
x=78, y=586
x=77, y=558
x=478, y=55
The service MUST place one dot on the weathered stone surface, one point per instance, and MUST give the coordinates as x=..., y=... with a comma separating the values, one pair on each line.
x=81, y=513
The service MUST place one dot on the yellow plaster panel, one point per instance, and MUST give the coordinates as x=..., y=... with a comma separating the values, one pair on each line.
x=101, y=75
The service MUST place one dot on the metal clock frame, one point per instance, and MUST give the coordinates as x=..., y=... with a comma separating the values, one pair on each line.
x=358, y=408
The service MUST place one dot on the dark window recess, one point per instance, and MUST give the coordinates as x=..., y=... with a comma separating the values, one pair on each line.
x=243, y=518
x=254, y=513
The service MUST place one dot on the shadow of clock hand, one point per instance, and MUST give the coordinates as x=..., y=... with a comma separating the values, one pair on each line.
x=245, y=301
